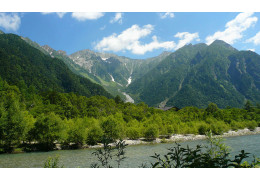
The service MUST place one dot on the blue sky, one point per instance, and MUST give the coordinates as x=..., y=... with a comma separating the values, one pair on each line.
x=134, y=35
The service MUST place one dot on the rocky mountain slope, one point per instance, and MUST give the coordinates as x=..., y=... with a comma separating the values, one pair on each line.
x=194, y=75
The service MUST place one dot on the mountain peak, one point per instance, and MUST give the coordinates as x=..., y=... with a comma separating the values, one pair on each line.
x=223, y=44
x=62, y=52
x=46, y=47
x=1, y=32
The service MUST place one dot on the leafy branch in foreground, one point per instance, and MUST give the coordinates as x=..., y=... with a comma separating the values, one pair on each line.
x=106, y=154
x=217, y=155
x=53, y=162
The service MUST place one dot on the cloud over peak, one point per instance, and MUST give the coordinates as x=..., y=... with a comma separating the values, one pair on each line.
x=185, y=38
x=118, y=18
x=10, y=21
x=82, y=16
x=60, y=14
x=129, y=40
x=234, y=28
x=255, y=39
x=166, y=15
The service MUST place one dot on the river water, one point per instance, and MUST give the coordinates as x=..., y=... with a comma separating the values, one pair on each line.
x=136, y=155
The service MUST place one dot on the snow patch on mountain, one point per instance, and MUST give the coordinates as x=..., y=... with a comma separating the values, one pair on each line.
x=129, y=80
x=104, y=58
x=128, y=98
x=112, y=77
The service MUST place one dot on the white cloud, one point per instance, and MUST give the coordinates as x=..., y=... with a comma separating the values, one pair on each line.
x=103, y=27
x=118, y=18
x=255, y=39
x=82, y=16
x=234, y=29
x=60, y=14
x=129, y=40
x=185, y=38
x=252, y=50
x=167, y=14
x=10, y=21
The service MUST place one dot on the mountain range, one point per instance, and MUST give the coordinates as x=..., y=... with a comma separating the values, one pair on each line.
x=193, y=75
x=23, y=65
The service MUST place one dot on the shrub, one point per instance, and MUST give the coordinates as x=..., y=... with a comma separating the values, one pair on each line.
x=151, y=132
x=215, y=155
x=112, y=128
x=203, y=128
x=133, y=133
x=251, y=125
x=219, y=127
x=52, y=162
x=94, y=135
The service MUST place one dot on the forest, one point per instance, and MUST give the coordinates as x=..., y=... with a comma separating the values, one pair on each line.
x=35, y=121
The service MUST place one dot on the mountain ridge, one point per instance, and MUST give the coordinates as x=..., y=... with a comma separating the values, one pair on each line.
x=192, y=75
x=21, y=63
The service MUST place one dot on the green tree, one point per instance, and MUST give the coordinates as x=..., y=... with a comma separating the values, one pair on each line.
x=12, y=126
x=48, y=128
x=95, y=135
x=118, y=100
x=212, y=108
x=133, y=133
x=151, y=132
x=77, y=131
x=111, y=128
x=248, y=106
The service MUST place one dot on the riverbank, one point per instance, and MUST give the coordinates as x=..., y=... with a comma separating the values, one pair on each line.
x=186, y=137
x=170, y=139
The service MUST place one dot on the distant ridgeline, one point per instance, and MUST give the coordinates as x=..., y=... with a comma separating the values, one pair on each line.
x=194, y=75
x=23, y=65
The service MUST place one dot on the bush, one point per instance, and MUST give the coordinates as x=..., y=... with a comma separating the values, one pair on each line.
x=218, y=127
x=112, y=128
x=94, y=135
x=77, y=131
x=151, y=132
x=251, y=125
x=48, y=128
x=133, y=133
x=212, y=108
x=203, y=129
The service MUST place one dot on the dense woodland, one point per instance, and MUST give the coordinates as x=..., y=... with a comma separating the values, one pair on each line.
x=20, y=62
x=32, y=120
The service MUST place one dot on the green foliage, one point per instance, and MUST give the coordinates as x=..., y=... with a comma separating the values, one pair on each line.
x=118, y=99
x=195, y=75
x=151, y=132
x=48, y=120
x=105, y=155
x=113, y=127
x=133, y=133
x=251, y=125
x=48, y=128
x=52, y=162
x=248, y=106
x=212, y=108
x=95, y=135
x=203, y=129
x=20, y=62
x=214, y=155
x=77, y=131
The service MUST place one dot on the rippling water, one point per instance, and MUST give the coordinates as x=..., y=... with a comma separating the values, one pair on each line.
x=136, y=155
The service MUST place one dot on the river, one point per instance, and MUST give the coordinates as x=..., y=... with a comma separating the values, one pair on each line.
x=136, y=155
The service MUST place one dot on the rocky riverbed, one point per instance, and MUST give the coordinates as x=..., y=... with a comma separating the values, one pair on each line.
x=186, y=137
